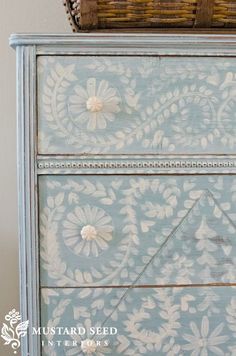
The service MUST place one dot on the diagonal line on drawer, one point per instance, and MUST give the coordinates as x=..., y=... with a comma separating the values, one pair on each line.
x=206, y=192
x=218, y=205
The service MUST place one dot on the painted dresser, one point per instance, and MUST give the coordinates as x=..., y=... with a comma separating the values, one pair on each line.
x=127, y=193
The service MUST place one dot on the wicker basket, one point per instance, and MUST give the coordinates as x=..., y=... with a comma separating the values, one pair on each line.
x=95, y=14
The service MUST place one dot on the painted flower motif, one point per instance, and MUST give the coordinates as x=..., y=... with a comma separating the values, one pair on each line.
x=87, y=230
x=88, y=346
x=194, y=122
x=96, y=104
x=201, y=341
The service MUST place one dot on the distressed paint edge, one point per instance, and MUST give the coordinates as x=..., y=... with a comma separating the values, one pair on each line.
x=27, y=196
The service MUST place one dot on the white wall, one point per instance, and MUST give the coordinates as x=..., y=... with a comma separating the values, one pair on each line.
x=15, y=16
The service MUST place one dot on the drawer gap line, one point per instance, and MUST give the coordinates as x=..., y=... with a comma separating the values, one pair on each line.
x=194, y=285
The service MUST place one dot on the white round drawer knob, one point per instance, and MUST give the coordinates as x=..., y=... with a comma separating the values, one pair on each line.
x=88, y=347
x=94, y=104
x=88, y=233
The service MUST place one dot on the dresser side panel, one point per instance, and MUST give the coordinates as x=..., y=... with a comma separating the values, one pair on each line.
x=27, y=196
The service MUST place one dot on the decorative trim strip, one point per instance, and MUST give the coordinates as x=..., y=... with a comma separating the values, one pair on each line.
x=130, y=44
x=135, y=166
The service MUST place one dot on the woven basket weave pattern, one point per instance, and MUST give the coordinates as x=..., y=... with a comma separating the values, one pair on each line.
x=157, y=13
x=150, y=12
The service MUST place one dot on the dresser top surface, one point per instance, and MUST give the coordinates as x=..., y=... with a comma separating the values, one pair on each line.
x=131, y=39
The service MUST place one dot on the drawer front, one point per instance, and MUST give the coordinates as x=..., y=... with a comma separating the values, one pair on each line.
x=149, y=321
x=139, y=230
x=128, y=105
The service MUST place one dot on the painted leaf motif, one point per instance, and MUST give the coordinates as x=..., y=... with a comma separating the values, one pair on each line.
x=7, y=334
x=133, y=228
x=59, y=199
x=124, y=343
x=185, y=300
x=146, y=224
x=21, y=329
x=129, y=116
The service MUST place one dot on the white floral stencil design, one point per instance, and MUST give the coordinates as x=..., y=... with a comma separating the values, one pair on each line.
x=106, y=230
x=150, y=321
x=87, y=230
x=176, y=233
x=205, y=340
x=96, y=104
x=136, y=104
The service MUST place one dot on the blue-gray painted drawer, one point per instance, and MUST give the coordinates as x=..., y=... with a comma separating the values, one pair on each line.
x=121, y=230
x=92, y=104
x=158, y=321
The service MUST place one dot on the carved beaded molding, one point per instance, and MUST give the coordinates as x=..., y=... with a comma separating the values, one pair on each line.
x=137, y=164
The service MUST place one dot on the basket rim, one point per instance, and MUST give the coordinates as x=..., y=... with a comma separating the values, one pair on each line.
x=70, y=16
